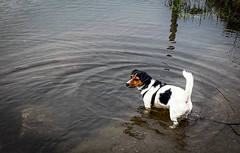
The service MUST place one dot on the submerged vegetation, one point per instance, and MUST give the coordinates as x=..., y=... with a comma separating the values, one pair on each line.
x=227, y=10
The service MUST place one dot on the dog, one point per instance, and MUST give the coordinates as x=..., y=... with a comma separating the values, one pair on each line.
x=160, y=95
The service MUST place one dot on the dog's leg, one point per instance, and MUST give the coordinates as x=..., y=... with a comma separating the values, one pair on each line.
x=174, y=116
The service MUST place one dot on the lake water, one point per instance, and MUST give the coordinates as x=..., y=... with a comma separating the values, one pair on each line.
x=64, y=64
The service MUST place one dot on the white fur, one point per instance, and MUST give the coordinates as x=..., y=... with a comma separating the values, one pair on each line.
x=179, y=104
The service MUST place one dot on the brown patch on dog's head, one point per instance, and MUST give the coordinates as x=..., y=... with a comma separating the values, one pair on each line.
x=138, y=78
x=134, y=82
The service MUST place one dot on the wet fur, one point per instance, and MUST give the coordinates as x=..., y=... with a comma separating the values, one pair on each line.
x=160, y=95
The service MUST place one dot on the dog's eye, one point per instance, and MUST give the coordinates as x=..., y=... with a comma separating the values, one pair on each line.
x=135, y=79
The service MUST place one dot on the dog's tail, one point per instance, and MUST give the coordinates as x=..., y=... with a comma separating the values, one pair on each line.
x=189, y=84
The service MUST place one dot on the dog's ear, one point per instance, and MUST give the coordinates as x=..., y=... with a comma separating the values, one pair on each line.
x=144, y=77
x=134, y=71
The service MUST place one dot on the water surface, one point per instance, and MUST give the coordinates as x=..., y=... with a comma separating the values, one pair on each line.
x=64, y=64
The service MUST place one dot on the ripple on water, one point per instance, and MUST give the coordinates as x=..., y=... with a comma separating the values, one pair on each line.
x=92, y=80
x=72, y=84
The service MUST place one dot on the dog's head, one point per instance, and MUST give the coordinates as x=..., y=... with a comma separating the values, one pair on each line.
x=138, y=79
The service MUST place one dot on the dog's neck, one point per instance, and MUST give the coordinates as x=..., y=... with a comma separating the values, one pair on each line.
x=145, y=87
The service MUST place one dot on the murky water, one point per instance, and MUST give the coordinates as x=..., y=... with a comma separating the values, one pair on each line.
x=64, y=64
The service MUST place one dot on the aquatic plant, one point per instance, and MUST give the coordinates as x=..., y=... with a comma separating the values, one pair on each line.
x=227, y=10
x=186, y=8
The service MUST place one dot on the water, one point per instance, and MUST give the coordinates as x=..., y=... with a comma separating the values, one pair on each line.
x=64, y=64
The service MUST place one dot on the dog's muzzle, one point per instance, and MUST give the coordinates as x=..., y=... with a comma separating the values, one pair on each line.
x=127, y=84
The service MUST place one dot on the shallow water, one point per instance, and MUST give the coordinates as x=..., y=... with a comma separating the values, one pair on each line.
x=64, y=64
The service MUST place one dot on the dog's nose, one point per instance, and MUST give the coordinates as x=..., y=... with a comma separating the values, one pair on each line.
x=127, y=84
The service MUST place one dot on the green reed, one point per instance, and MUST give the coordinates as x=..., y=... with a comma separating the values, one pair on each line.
x=228, y=10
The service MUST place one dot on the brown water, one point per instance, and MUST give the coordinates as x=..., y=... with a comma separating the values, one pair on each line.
x=64, y=64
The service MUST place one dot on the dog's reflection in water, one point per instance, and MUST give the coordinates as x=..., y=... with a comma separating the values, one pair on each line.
x=155, y=122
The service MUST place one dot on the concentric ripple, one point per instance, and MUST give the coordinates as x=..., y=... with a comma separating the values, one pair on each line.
x=63, y=81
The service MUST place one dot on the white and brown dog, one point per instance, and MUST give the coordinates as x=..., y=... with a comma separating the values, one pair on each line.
x=157, y=94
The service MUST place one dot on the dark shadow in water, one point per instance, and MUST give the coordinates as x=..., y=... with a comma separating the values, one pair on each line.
x=9, y=138
x=173, y=26
x=27, y=131
x=157, y=121
x=234, y=51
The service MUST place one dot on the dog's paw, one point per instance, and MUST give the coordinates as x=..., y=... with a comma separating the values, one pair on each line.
x=175, y=124
x=172, y=126
x=146, y=112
